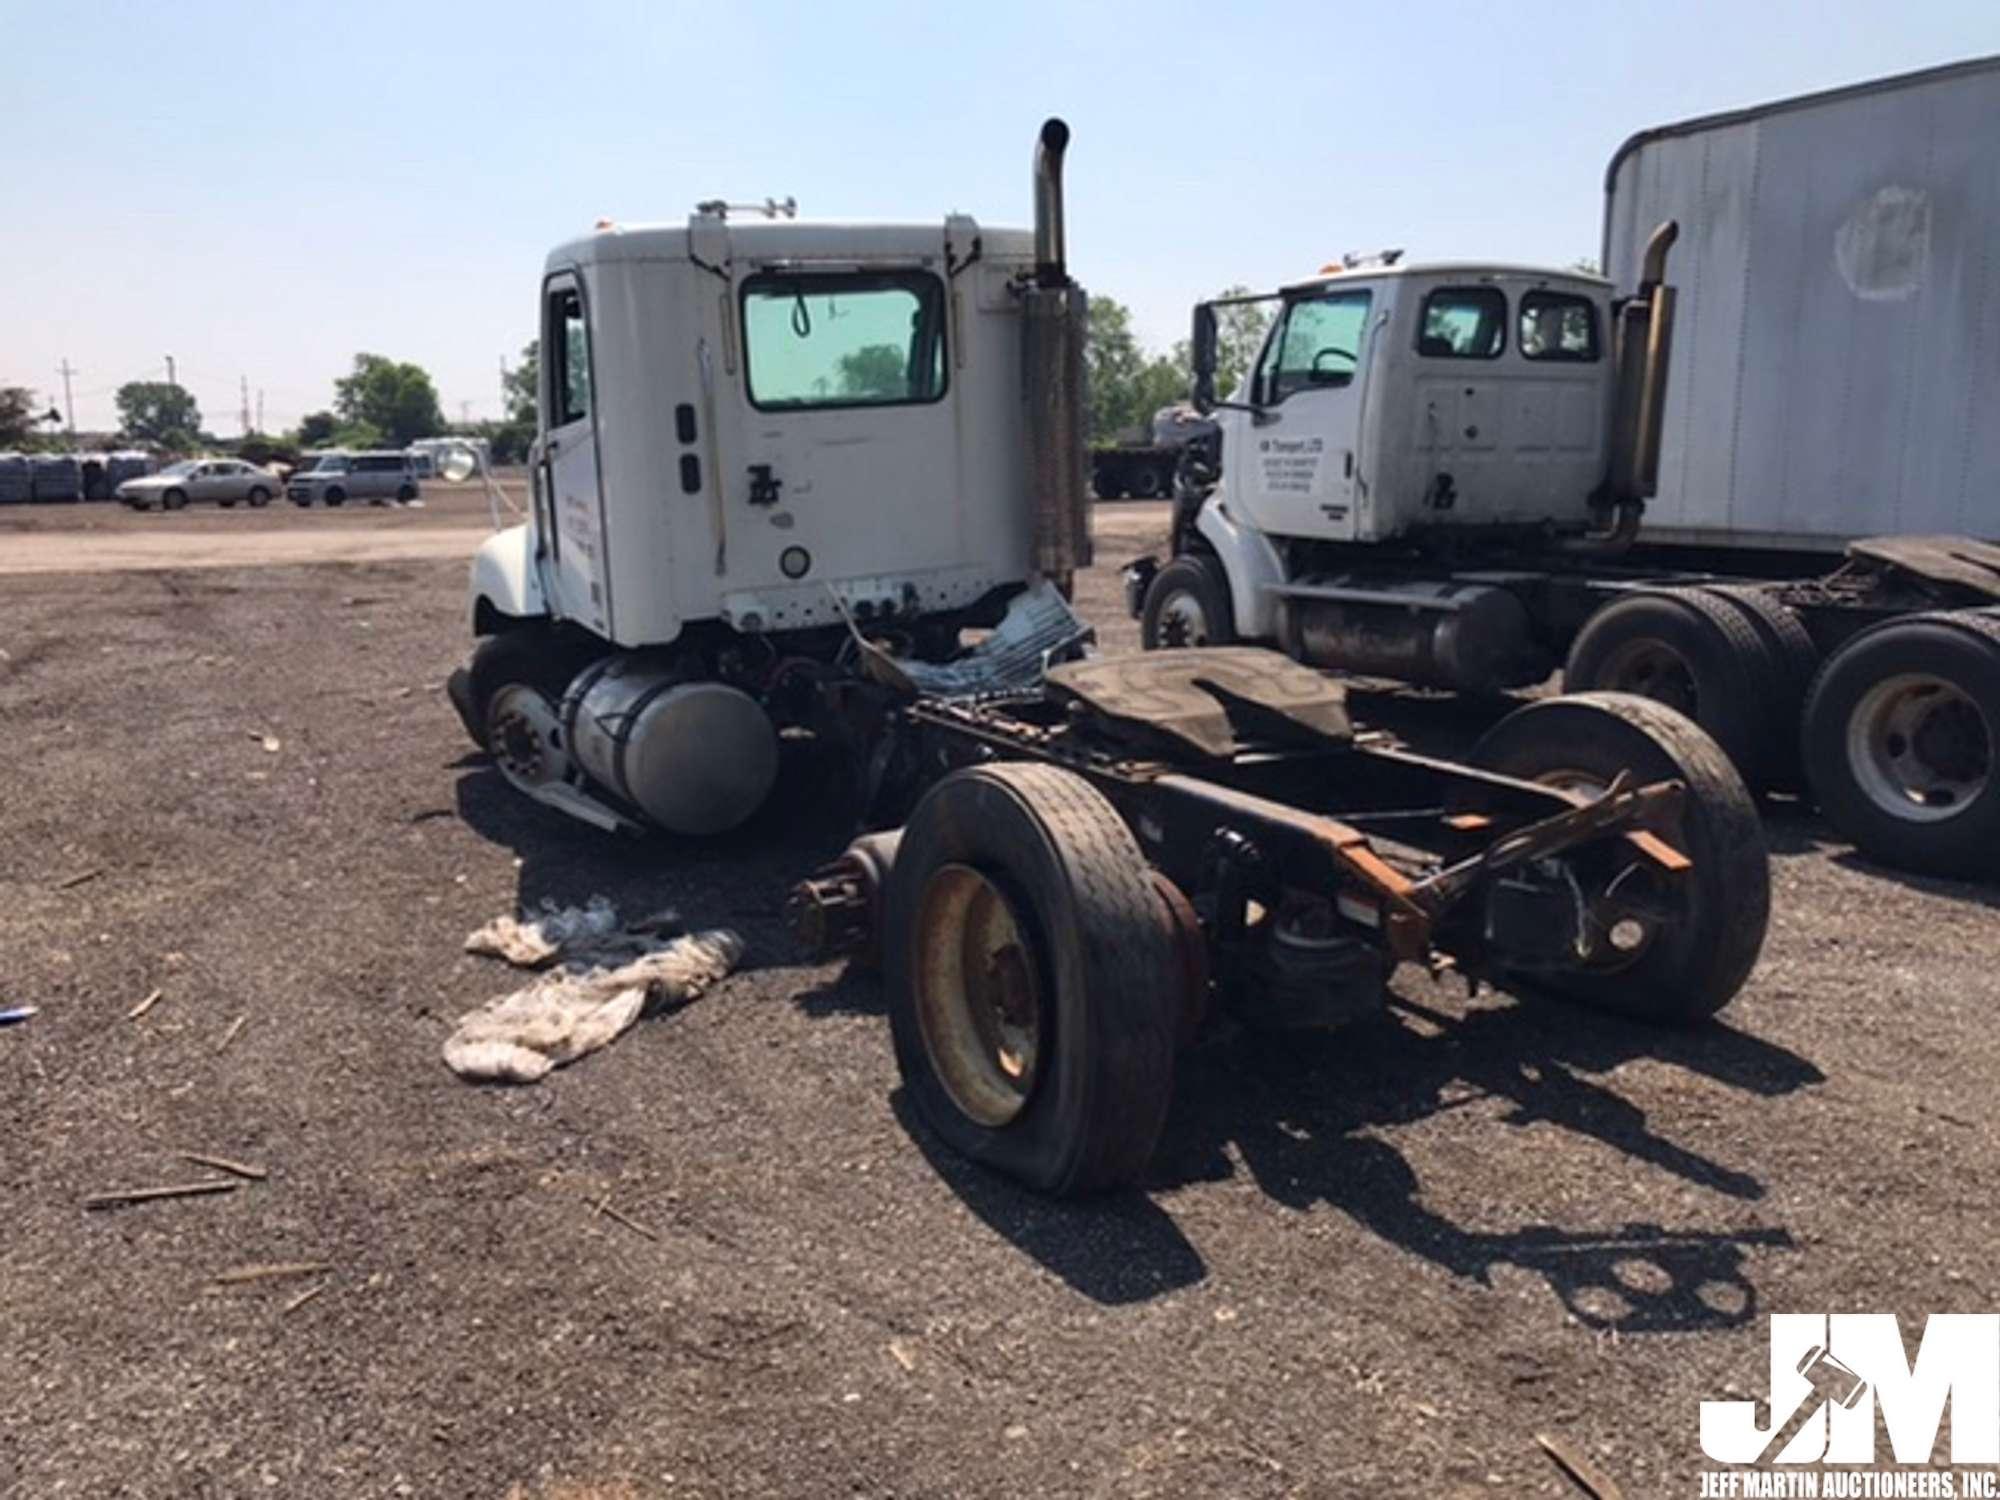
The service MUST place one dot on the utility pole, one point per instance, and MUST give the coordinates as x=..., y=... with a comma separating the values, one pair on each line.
x=243, y=385
x=170, y=371
x=503, y=387
x=260, y=408
x=69, y=406
x=465, y=413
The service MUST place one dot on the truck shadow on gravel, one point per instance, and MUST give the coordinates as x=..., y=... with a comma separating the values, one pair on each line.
x=1304, y=1116
x=737, y=880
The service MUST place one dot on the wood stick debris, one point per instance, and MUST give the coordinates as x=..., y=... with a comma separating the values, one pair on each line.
x=304, y=1297
x=634, y=1225
x=272, y=1271
x=224, y=1164
x=144, y=1005
x=148, y=1194
x=1591, y=1479
x=81, y=877
x=230, y=1035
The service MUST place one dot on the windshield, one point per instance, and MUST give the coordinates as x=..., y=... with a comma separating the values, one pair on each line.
x=330, y=466
x=186, y=466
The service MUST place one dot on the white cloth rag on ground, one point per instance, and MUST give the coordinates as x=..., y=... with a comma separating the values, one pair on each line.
x=609, y=977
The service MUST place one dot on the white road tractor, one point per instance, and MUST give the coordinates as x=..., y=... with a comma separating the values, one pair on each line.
x=1437, y=474
x=784, y=467
x=761, y=438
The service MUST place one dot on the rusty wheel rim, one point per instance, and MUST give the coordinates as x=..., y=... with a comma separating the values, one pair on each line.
x=979, y=1002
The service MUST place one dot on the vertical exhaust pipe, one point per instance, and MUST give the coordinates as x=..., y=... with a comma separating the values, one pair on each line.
x=1642, y=347
x=1053, y=324
x=1051, y=248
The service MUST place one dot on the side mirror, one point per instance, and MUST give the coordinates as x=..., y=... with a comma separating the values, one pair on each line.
x=1202, y=347
x=457, y=463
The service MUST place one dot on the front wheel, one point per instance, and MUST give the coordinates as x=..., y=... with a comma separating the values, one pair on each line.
x=1188, y=604
x=1672, y=947
x=1901, y=734
x=527, y=656
x=174, y=499
x=1032, y=979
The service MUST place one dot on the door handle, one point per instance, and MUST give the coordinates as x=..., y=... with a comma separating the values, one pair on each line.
x=764, y=485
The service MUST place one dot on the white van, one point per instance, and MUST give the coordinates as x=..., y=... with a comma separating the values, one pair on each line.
x=339, y=477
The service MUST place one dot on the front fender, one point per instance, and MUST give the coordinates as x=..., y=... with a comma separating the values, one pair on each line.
x=1253, y=566
x=505, y=581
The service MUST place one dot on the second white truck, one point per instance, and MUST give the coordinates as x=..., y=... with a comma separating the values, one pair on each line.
x=1467, y=476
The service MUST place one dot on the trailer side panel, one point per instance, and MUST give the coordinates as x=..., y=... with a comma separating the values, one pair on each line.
x=1837, y=356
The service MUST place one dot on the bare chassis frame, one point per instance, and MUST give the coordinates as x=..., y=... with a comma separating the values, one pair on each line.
x=1393, y=841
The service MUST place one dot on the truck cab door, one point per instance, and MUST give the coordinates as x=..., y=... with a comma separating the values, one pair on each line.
x=1294, y=461
x=574, y=503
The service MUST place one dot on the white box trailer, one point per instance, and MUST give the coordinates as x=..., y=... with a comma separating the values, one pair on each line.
x=1837, y=348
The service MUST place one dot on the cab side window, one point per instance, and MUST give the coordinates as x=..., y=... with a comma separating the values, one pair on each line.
x=1318, y=344
x=1463, y=322
x=568, y=345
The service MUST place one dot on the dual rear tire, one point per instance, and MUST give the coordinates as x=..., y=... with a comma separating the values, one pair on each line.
x=1902, y=742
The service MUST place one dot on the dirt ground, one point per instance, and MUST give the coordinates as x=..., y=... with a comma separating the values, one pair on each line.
x=1374, y=1262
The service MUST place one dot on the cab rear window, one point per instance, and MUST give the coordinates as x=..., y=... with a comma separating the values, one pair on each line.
x=821, y=339
x=1463, y=322
x=1558, y=325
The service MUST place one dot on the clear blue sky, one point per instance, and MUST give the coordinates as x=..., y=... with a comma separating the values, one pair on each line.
x=263, y=189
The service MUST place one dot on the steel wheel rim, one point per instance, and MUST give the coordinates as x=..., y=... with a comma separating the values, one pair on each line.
x=1652, y=669
x=1628, y=936
x=525, y=732
x=1183, y=622
x=979, y=1003
x=1920, y=747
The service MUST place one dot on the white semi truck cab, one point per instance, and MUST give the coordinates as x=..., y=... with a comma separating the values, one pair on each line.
x=757, y=435
x=1437, y=475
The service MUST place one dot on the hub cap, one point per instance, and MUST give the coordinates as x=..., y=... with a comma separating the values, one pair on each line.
x=1183, y=622
x=526, y=735
x=979, y=1003
x=1919, y=748
x=1652, y=669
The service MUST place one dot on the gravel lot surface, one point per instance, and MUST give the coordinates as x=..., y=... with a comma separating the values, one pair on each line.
x=1375, y=1262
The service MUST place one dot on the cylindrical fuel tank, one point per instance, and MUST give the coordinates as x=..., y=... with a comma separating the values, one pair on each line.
x=696, y=757
x=1470, y=637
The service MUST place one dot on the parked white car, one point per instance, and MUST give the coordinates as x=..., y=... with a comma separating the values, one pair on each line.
x=223, y=480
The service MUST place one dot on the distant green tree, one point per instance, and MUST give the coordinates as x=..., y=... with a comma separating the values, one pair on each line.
x=875, y=372
x=1113, y=365
x=509, y=439
x=524, y=383
x=18, y=416
x=154, y=411
x=316, y=429
x=361, y=435
x=1239, y=335
x=395, y=402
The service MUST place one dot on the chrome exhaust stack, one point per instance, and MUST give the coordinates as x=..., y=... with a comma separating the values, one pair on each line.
x=1642, y=349
x=1051, y=246
x=1052, y=337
